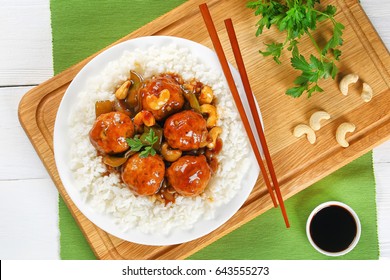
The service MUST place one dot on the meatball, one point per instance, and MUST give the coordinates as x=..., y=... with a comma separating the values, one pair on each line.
x=157, y=84
x=189, y=175
x=185, y=130
x=109, y=132
x=143, y=175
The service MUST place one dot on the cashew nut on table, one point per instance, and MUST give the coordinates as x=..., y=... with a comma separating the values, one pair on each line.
x=341, y=132
x=316, y=118
x=346, y=81
x=302, y=129
x=366, y=92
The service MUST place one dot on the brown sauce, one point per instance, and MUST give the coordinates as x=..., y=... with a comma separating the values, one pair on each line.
x=211, y=155
x=333, y=229
x=167, y=195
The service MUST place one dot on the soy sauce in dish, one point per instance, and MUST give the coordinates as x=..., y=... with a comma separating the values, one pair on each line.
x=333, y=229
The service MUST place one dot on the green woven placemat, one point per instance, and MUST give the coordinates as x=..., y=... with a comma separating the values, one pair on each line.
x=81, y=28
x=265, y=238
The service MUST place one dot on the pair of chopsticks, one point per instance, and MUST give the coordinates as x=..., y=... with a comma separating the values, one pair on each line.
x=244, y=77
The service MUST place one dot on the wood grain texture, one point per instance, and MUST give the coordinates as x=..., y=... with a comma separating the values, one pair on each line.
x=297, y=163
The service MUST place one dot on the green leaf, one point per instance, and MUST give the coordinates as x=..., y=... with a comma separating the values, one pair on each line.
x=336, y=39
x=333, y=70
x=259, y=30
x=151, y=138
x=300, y=63
x=147, y=151
x=293, y=47
x=135, y=144
x=316, y=64
x=313, y=89
x=300, y=80
x=318, y=88
x=330, y=10
x=296, y=18
x=273, y=49
x=271, y=12
x=253, y=4
x=296, y=91
x=336, y=53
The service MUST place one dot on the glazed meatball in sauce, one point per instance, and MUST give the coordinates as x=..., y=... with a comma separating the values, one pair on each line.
x=159, y=118
x=185, y=130
x=189, y=175
x=109, y=132
x=144, y=175
x=154, y=87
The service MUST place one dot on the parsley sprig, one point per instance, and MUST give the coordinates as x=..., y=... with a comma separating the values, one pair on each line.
x=298, y=18
x=146, y=141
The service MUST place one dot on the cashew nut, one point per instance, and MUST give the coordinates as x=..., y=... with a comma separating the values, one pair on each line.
x=316, y=118
x=169, y=154
x=366, y=93
x=214, y=133
x=193, y=86
x=302, y=129
x=206, y=95
x=211, y=111
x=157, y=102
x=144, y=117
x=121, y=92
x=346, y=81
x=205, y=139
x=342, y=130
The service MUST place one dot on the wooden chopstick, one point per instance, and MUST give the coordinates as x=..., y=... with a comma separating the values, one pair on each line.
x=248, y=91
x=229, y=78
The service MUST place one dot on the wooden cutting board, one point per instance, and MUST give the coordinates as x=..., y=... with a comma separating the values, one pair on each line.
x=298, y=164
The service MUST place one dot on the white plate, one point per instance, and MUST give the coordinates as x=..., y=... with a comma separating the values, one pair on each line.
x=62, y=143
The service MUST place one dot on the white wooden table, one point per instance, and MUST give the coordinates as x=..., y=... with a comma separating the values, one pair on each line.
x=28, y=197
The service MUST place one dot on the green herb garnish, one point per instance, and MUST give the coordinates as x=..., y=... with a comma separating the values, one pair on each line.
x=298, y=18
x=146, y=141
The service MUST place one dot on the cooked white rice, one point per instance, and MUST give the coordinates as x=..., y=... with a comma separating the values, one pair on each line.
x=107, y=194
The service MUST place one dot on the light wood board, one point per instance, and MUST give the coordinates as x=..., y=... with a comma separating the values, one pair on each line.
x=297, y=163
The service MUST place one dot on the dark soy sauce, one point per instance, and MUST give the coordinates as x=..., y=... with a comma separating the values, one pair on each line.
x=333, y=228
